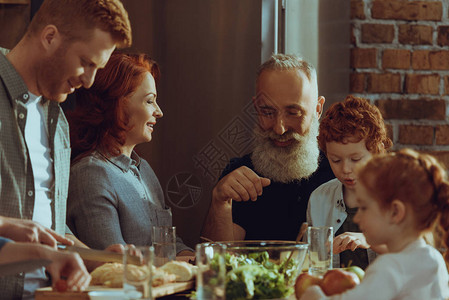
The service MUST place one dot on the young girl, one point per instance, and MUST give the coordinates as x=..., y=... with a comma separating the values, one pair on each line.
x=350, y=133
x=400, y=196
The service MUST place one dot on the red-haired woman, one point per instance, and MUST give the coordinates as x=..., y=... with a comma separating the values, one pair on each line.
x=114, y=195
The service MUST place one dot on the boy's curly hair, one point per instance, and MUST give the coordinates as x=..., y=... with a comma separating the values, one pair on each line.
x=357, y=119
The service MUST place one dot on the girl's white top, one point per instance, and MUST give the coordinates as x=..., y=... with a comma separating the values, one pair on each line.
x=417, y=272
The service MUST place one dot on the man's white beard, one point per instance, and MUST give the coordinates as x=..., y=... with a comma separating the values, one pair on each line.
x=285, y=164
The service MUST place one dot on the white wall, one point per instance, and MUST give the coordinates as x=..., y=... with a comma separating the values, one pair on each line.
x=319, y=31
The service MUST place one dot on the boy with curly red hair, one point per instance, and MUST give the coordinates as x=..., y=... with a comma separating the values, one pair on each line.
x=350, y=133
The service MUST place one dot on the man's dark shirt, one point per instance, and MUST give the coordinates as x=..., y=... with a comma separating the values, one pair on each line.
x=281, y=209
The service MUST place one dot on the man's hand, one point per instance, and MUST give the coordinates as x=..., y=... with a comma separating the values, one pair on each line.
x=29, y=231
x=349, y=241
x=68, y=265
x=242, y=184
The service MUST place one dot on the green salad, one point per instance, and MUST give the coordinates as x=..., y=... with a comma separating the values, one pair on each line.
x=254, y=276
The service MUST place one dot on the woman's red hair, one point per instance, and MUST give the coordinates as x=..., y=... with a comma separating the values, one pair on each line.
x=99, y=119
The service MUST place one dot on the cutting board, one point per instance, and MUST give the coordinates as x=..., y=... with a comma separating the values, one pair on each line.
x=160, y=291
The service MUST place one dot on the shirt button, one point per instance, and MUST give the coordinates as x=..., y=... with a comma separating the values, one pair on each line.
x=30, y=193
x=338, y=221
x=21, y=116
x=51, y=121
x=25, y=96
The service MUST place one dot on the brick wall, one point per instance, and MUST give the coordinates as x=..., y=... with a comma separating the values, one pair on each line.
x=400, y=61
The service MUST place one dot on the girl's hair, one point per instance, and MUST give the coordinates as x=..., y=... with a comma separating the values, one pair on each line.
x=354, y=118
x=100, y=117
x=414, y=178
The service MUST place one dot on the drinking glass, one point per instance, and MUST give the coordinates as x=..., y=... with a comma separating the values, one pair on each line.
x=210, y=280
x=137, y=279
x=164, y=243
x=320, y=249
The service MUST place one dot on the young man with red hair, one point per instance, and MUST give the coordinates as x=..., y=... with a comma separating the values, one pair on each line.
x=66, y=43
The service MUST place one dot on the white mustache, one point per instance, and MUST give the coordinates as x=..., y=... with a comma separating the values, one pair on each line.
x=284, y=164
x=289, y=135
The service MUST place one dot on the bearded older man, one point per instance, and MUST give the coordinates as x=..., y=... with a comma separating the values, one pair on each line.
x=285, y=165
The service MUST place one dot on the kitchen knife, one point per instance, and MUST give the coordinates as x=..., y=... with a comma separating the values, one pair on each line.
x=22, y=266
x=98, y=255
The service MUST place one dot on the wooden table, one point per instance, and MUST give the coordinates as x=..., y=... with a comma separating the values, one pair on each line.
x=161, y=291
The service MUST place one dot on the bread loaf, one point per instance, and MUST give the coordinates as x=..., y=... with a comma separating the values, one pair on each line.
x=181, y=269
x=111, y=275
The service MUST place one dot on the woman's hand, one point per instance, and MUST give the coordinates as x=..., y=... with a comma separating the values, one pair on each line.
x=117, y=248
x=349, y=241
x=186, y=255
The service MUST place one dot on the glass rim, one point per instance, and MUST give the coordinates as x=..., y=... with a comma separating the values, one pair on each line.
x=211, y=244
x=266, y=245
x=130, y=246
x=321, y=227
x=173, y=227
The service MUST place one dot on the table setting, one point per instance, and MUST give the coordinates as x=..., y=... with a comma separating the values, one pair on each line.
x=221, y=270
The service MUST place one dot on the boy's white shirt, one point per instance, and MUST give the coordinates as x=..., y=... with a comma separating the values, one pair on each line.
x=327, y=208
x=418, y=272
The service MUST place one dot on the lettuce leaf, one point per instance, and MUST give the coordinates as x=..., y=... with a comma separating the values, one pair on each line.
x=254, y=276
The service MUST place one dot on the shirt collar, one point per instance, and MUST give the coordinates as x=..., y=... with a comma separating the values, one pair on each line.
x=12, y=80
x=122, y=161
x=339, y=191
x=33, y=98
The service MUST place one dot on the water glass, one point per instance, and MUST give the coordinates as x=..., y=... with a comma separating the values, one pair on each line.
x=320, y=249
x=137, y=279
x=164, y=243
x=210, y=280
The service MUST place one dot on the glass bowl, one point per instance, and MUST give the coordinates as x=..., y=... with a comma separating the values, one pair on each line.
x=263, y=269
